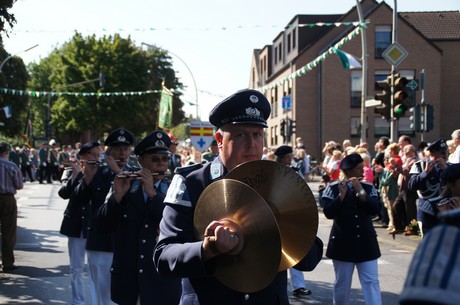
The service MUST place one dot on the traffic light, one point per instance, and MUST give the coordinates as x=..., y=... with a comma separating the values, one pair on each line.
x=283, y=128
x=291, y=127
x=400, y=96
x=384, y=97
x=415, y=119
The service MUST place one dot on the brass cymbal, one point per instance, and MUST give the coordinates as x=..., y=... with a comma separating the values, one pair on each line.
x=291, y=201
x=255, y=267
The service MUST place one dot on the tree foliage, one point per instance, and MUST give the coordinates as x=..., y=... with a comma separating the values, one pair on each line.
x=76, y=67
x=13, y=75
x=5, y=16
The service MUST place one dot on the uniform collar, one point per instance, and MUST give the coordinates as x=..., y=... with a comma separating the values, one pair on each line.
x=217, y=169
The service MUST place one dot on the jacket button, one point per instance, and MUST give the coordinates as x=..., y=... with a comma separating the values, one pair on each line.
x=125, y=216
x=142, y=256
x=144, y=241
x=358, y=236
x=357, y=226
x=246, y=297
x=141, y=270
x=146, y=226
x=84, y=208
x=356, y=216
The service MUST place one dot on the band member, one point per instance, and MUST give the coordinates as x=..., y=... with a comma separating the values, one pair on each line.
x=353, y=240
x=94, y=187
x=425, y=179
x=133, y=211
x=75, y=222
x=241, y=119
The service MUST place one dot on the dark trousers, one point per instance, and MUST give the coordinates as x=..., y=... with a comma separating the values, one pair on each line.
x=26, y=170
x=43, y=173
x=8, y=221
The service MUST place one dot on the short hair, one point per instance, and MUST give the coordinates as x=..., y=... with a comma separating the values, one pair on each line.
x=456, y=133
x=405, y=138
x=4, y=147
x=385, y=141
x=394, y=147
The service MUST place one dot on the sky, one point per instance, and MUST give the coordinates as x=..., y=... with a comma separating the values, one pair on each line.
x=210, y=42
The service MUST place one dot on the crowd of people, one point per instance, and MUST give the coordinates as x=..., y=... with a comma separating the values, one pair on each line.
x=130, y=208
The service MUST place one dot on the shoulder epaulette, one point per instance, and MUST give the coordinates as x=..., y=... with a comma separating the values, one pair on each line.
x=366, y=182
x=335, y=182
x=185, y=170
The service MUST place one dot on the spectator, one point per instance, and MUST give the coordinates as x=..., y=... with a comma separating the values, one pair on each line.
x=456, y=139
x=9, y=184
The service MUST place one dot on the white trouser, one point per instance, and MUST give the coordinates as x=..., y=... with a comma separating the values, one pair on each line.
x=76, y=247
x=99, y=263
x=297, y=279
x=368, y=277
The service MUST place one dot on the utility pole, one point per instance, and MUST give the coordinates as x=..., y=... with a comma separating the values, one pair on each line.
x=394, y=38
x=364, y=74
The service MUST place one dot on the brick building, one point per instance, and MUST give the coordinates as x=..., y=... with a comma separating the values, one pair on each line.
x=326, y=100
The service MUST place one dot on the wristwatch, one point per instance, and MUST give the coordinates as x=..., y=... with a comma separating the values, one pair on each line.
x=362, y=192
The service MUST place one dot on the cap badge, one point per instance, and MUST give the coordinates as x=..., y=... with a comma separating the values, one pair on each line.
x=159, y=135
x=121, y=139
x=160, y=143
x=254, y=99
x=122, y=131
x=252, y=111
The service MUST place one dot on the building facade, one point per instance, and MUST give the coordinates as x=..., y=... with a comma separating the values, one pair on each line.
x=325, y=101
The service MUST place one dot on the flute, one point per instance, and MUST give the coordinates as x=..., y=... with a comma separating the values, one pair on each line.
x=97, y=162
x=136, y=174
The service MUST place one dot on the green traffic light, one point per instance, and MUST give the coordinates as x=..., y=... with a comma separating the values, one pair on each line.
x=399, y=111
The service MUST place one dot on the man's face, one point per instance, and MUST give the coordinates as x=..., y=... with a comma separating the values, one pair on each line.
x=154, y=162
x=173, y=148
x=240, y=143
x=285, y=159
x=121, y=153
x=357, y=171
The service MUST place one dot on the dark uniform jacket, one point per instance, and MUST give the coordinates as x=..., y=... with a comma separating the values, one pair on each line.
x=135, y=222
x=95, y=193
x=178, y=252
x=353, y=237
x=75, y=221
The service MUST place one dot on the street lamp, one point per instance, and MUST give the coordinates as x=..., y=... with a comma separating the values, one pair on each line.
x=190, y=71
x=11, y=56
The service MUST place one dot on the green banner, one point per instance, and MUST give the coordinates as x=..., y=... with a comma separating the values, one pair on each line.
x=165, y=113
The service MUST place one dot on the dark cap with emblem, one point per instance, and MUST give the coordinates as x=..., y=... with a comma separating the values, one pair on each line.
x=157, y=142
x=87, y=147
x=451, y=173
x=283, y=150
x=119, y=136
x=351, y=161
x=244, y=107
x=440, y=145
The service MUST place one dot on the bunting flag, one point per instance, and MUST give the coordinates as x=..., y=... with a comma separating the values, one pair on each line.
x=348, y=61
x=8, y=111
x=165, y=113
x=220, y=28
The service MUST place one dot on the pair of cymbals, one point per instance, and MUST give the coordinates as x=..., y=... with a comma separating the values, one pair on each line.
x=277, y=214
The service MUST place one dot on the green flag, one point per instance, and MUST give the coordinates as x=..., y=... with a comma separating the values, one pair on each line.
x=348, y=61
x=165, y=113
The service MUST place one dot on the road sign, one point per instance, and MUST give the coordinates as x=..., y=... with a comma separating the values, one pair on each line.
x=372, y=103
x=201, y=135
x=395, y=54
x=286, y=102
x=412, y=85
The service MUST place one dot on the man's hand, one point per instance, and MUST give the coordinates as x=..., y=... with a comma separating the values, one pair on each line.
x=219, y=239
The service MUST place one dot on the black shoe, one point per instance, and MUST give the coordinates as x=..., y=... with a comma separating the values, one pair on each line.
x=10, y=268
x=301, y=291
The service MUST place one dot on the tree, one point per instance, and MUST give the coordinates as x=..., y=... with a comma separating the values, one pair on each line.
x=6, y=17
x=127, y=68
x=13, y=75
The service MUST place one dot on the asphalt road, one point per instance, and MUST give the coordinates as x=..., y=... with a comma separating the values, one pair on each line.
x=43, y=276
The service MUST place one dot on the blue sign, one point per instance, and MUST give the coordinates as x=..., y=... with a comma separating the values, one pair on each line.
x=286, y=103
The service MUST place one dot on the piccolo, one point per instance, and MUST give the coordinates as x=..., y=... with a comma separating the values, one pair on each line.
x=136, y=174
x=97, y=162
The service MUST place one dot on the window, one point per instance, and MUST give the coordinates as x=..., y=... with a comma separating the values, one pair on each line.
x=275, y=101
x=355, y=127
x=280, y=53
x=276, y=55
x=404, y=127
x=356, y=88
x=379, y=76
x=289, y=43
x=294, y=38
x=381, y=127
x=382, y=39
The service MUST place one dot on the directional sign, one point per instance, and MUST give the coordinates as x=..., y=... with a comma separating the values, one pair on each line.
x=412, y=85
x=372, y=103
x=286, y=102
x=395, y=54
x=201, y=135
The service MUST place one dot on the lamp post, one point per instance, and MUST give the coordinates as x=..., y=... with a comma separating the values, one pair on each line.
x=11, y=56
x=190, y=71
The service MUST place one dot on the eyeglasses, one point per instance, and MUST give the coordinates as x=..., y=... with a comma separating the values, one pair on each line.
x=158, y=159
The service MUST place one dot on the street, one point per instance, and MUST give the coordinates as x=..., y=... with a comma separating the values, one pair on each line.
x=43, y=276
